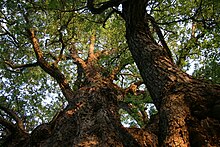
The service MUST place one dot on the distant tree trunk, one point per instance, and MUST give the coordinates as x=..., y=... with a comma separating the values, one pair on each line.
x=184, y=104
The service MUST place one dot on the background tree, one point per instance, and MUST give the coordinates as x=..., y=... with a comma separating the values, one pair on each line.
x=52, y=45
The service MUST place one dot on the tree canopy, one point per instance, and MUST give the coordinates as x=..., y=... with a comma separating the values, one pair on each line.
x=70, y=31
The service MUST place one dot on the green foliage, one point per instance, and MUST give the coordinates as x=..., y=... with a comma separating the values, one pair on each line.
x=191, y=29
x=127, y=120
x=141, y=108
x=210, y=69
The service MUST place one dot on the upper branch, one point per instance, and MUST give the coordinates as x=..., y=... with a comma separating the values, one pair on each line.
x=104, y=5
x=22, y=66
x=160, y=35
x=51, y=69
x=134, y=87
x=91, y=48
x=10, y=36
x=74, y=55
x=62, y=48
x=37, y=50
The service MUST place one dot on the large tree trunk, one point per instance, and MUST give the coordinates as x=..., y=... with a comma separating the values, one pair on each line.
x=92, y=120
x=184, y=104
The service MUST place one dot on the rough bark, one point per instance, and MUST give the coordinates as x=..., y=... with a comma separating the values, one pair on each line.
x=92, y=119
x=179, y=98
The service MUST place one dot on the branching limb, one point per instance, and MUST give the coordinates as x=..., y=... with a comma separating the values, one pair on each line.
x=9, y=125
x=133, y=88
x=115, y=71
x=92, y=56
x=11, y=36
x=118, y=68
x=108, y=16
x=105, y=52
x=51, y=69
x=77, y=59
x=160, y=35
x=81, y=65
x=104, y=6
x=11, y=113
x=22, y=66
x=98, y=54
x=62, y=48
x=140, y=116
x=62, y=41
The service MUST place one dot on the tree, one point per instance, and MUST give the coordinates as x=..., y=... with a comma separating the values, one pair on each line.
x=188, y=108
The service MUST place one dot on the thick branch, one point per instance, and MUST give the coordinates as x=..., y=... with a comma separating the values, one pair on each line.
x=19, y=122
x=80, y=72
x=9, y=125
x=77, y=59
x=51, y=69
x=101, y=53
x=105, y=52
x=91, y=49
x=140, y=116
x=37, y=50
x=62, y=48
x=160, y=35
x=22, y=66
x=134, y=87
x=116, y=71
x=104, y=6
